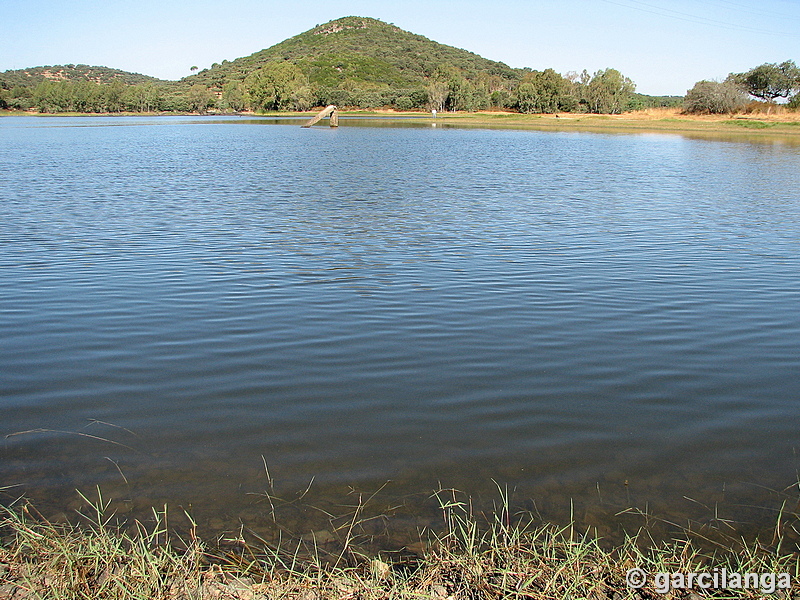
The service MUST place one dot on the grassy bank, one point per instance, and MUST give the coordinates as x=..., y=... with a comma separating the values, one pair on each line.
x=496, y=555
x=782, y=125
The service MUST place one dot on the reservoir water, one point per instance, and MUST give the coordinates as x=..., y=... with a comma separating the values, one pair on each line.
x=589, y=322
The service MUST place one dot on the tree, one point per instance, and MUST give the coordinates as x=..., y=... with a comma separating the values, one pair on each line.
x=501, y=99
x=609, y=92
x=770, y=80
x=526, y=97
x=419, y=98
x=233, y=96
x=88, y=97
x=21, y=98
x=543, y=92
x=437, y=94
x=53, y=96
x=302, y=98
x=144, y=97
x=576, y=84
x=713, y=97
x=114, y=92
x=199, y=98
x=278, y=86
x=468, y=95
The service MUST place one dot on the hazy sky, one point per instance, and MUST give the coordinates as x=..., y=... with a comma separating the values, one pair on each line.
x=665, y=47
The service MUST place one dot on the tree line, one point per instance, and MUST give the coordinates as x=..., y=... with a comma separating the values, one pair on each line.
x=114, y=97
x=283, y=86
x=768, y=82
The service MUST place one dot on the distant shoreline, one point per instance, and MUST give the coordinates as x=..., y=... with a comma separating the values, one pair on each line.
x=650, y=120
x=785, y=124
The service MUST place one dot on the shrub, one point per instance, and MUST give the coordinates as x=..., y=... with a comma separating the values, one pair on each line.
x=714, y=97
x=404, y=103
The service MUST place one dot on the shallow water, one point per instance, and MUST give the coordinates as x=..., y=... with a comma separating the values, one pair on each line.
x=594, y=321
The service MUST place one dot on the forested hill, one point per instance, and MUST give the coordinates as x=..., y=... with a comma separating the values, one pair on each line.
x=352, y=62
x=72, y=73
x=364, y=52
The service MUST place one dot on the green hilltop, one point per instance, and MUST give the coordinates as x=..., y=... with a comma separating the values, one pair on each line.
x=355, y=61
x=360, y=50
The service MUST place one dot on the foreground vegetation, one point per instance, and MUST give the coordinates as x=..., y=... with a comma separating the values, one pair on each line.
x=496, y=555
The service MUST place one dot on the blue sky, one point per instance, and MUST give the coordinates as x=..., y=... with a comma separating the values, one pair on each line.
x=665, y=47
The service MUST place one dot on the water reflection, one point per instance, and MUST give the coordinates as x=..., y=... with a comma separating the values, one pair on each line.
x=599, y=322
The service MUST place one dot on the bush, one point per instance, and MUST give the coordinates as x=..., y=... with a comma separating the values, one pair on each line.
x=502, y=99
x=335, y=96
x=714, y=97
x=404, y=103
x=369, y=100
x=419, y=98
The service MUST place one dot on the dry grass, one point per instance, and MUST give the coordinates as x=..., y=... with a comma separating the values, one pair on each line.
x=775, y=114
x=484, y=556
x=780, y=124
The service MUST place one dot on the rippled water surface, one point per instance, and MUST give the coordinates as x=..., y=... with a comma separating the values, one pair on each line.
x=594, y=321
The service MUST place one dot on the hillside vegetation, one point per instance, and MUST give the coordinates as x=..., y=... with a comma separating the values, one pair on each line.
x=72, y=73
x=359, y=62
x=366, y=63
x=363, y=50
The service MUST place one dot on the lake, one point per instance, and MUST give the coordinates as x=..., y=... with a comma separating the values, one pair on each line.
x=234, y=316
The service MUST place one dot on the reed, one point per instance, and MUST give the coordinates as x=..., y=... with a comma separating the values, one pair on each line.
x=492, y=554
